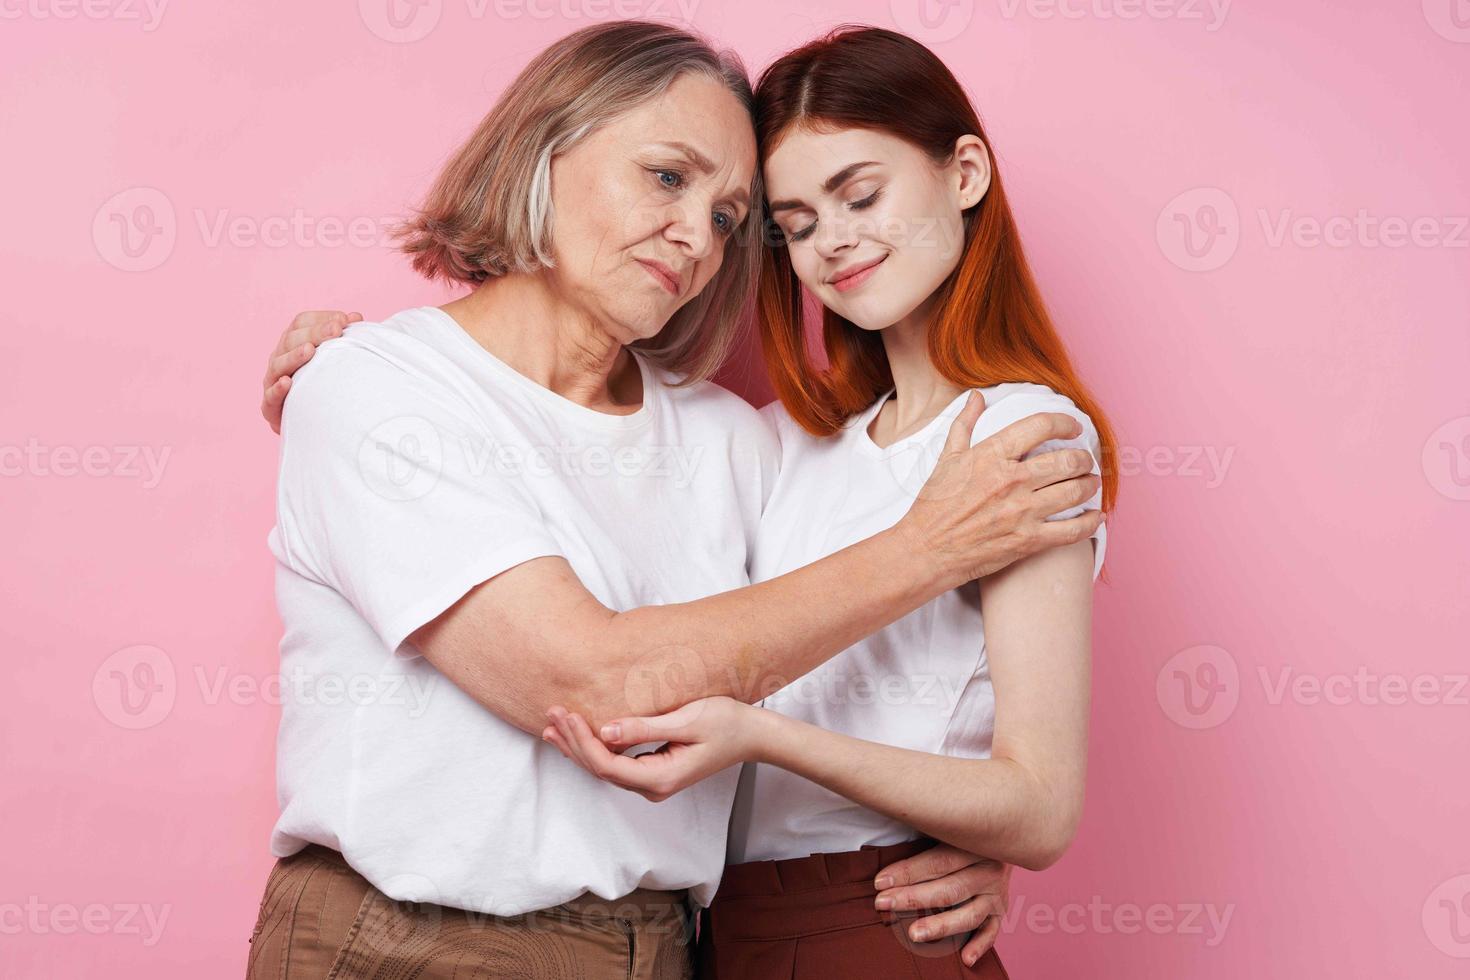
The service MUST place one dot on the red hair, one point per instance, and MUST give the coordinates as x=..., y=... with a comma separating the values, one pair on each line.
x=990, y=324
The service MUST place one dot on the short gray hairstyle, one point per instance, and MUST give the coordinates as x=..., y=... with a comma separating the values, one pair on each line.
x=489, y=210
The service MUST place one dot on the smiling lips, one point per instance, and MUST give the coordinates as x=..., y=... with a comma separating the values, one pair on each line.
x=662, y=275
x=855, y=275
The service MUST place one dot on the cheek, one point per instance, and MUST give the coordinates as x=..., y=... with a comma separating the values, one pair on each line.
x=929, y=233
x=806, y=264
x=708, y=268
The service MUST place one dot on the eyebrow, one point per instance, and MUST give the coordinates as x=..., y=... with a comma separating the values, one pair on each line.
x=832, y=183
x=703, y=165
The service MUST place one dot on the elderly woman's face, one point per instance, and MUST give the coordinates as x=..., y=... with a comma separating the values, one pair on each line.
x=643, y=206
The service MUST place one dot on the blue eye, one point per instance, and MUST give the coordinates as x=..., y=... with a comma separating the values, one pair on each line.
x=724, y=222
x=675, y=178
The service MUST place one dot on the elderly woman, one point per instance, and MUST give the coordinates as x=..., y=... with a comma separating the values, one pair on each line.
x=531, y=496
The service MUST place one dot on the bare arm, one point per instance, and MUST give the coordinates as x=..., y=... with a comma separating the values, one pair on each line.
x=533, y=636
x=1023, y=804
x=1020, y=806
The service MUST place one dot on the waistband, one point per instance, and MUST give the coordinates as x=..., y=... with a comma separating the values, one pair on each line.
x=763, y=900
x=640, y=906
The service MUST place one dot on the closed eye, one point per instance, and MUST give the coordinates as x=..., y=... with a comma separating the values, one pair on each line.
x=805, y=233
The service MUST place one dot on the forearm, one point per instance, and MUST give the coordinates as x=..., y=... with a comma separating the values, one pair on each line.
x=534, y=637
x=1002, y=807
x=749, y=642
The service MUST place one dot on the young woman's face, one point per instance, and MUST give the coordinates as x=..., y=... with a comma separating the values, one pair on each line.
x=643, y=205
x=872, y=225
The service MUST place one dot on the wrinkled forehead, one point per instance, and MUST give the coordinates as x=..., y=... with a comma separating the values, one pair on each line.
x=700, y=122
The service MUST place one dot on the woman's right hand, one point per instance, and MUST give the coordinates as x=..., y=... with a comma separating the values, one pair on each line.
x=986, y=506
x=294, y=349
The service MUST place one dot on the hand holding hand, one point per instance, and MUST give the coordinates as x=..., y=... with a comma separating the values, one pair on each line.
x=702, y=738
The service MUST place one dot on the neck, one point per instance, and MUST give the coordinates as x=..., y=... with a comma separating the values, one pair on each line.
x=524, y=322
x=920, y=392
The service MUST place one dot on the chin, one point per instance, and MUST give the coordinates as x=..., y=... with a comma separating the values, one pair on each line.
x=640, y=324
x=873, y=313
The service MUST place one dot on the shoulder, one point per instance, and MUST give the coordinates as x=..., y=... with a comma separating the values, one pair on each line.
x=715, y=404
x=373, y=371
x=778, y=420
x=1013, y=401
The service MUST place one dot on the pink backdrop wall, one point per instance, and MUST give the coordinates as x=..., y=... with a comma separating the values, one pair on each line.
x=1251, y=219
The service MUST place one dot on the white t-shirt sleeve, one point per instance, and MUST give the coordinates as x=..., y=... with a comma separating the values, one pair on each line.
x=388, y=492
x=1011, y=403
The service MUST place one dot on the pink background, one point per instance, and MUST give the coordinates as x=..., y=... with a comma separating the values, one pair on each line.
x=1326, y=379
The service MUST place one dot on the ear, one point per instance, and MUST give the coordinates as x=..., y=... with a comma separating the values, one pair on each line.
x=972, y=161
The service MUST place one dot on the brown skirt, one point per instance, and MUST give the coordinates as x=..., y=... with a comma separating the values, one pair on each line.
x=813, y=918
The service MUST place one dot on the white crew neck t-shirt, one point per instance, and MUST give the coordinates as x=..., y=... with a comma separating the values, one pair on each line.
x=414, y=466
x=920, y=683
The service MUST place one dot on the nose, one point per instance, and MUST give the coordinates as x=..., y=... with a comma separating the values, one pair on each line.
x=690, y=226
x=834, y=235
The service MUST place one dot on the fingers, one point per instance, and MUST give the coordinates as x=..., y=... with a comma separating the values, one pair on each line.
x=936, y=862
x=953, y=922
x=1047, y=468
x=553, y=735
x=963, y=427
x=274, y=402
x=1063, y=496
x=1021, y=437
x=944, y=890
x=597, y=759
x=979, y=944
x=625, y=732
x=284, y=365
x=314, y=327
x=1054, y=534
x=559, y=734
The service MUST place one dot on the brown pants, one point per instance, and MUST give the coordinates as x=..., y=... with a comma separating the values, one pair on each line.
x=812, y=918
x=320, y=920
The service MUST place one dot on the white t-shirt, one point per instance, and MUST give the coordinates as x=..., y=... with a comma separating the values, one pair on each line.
x=921, y=683
x=414, y=466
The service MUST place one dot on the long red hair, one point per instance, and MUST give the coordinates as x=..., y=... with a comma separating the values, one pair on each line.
x=990, y=325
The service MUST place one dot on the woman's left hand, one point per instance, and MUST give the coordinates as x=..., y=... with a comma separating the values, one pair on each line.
x=703, y=737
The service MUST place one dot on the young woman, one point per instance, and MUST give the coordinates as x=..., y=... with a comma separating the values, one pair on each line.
x=474, y=503
x=966, y=720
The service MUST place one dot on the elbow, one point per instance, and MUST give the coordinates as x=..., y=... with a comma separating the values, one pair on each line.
x=1050, y=817
x=1051, y=837
x=587, y=689
x=1043, y=852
